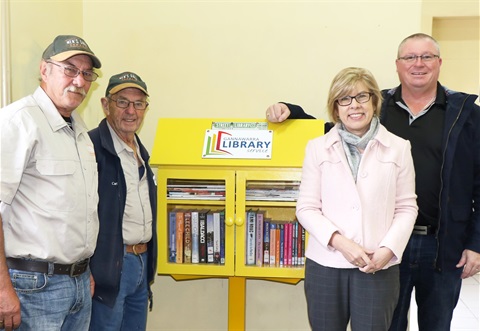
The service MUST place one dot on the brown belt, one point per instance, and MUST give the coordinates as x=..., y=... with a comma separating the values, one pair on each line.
x=137, y=248
x=72, y=270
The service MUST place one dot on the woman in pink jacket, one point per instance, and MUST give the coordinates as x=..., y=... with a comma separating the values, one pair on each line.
x=357, y=201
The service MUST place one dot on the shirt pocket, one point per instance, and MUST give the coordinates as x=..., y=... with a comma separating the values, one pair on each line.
x=57, y=190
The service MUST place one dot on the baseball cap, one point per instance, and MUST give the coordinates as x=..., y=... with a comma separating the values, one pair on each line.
x=64, y=47
x=124, y=80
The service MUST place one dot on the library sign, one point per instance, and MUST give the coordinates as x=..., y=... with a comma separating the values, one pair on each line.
x=238, y=141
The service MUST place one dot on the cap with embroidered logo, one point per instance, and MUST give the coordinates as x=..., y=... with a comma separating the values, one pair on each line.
x=124, y=80
x=64, y=47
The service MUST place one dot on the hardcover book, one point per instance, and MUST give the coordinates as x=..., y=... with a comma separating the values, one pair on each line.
x=195, y=237
x=259, y=238
x=172, y=230
x=222, y=237
x=210, y=237
x=216, y=237
x=202, y=235
x=250, y=238
x=273, y=243
x=179, y=235
x=266, y=241
x=187, y=236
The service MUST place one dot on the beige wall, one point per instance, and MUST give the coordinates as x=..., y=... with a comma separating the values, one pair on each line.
x=225, y=59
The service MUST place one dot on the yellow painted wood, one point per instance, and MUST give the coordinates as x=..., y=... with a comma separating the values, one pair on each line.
x=177, y=154
x=179, y=141
x=165, y=205
x=236, y=303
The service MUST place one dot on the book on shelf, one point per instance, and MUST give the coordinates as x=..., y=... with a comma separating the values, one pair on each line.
x=195, y=237
x=187, y=236
x=202, y=234
x=288, y=245
x=259, y=238
x=250, y=237
x=179, y=235
x=272, y=191
x=222, y=237
x=196, y=190
x=210, y=237
x=273, y=243
x=216, y=237
x=282, y=244
x=295, y=243
x=303, y=245
x=266, y=241
x=277, y=245
x=172, y=233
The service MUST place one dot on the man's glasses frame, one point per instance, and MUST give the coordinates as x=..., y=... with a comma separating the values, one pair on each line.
x=124, y=103
x=71, y=71
x=424, y=58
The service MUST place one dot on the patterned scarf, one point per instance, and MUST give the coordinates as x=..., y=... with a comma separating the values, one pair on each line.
x=352, y=144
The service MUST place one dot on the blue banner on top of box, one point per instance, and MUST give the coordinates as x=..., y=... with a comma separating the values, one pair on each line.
x=237, y=144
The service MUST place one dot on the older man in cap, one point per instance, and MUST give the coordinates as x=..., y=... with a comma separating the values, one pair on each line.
x=124, y=262
x=48, y=180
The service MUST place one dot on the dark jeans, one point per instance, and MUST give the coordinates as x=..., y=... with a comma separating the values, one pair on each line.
x=436, y=293
x=131, y=306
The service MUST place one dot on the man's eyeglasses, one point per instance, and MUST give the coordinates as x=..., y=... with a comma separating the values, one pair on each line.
x=71, y=71
x=361, y=98
x=424, y=58
x=124, y=104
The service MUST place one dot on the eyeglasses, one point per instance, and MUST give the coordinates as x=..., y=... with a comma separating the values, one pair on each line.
x=124, y=104
x=424, y=58
x=361, y=98
x=71, y=71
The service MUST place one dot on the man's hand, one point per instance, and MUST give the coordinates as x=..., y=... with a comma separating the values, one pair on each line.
x=277, y=113
x=9, y=302
x=470, y=262
x=9, y=306
x=92, y=285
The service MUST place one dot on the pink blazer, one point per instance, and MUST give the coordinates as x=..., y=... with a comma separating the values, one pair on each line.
x=379, y=210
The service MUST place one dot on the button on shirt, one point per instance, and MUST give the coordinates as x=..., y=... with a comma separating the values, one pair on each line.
x=137, y=216
x=48, y=183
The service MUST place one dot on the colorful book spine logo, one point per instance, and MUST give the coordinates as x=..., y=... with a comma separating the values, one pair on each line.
x=213, y=144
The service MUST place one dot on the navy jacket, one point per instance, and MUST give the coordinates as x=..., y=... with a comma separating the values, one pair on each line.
x=107, y=261
x=459, y=205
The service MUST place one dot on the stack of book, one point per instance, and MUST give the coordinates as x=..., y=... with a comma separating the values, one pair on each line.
x=196, y=190
x=196, y=236
x=273, y=243
x=272, y=191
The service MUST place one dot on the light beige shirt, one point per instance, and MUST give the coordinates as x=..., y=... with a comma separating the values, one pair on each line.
x=48, y=183
x=137, y=216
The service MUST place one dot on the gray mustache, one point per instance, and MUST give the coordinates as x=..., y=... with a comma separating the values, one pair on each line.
x=75, y=89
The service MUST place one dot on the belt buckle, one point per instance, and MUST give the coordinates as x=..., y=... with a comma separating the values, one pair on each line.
x=420, y=229
x=77, y=266
x=134, y=248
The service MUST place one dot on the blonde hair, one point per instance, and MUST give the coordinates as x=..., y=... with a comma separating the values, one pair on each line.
x=345, y=82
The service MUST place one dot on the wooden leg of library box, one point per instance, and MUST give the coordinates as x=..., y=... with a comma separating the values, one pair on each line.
x=236, y=303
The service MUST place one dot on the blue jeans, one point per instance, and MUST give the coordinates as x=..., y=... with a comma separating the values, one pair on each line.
x=130, y=310
x=436, y=293
x=53, y=302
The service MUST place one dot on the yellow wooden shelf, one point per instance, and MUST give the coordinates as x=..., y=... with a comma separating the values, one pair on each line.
x=178, y=155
